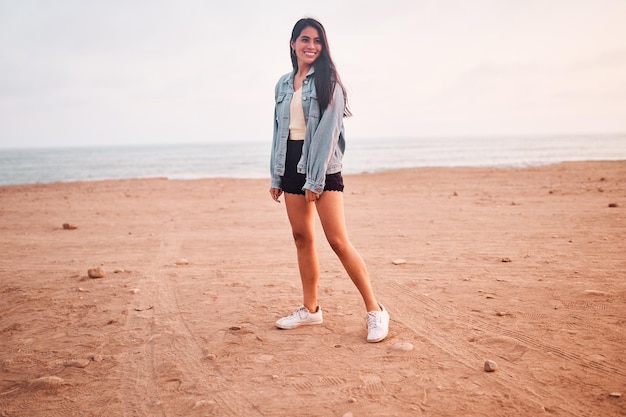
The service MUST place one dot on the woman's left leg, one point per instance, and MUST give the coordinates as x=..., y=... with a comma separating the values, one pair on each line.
x=331, y=212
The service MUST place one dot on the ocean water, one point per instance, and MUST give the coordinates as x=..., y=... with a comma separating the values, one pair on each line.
x=250, y=160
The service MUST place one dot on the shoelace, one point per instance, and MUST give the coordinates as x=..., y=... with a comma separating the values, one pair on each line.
x=297, y=312
x=372, y=319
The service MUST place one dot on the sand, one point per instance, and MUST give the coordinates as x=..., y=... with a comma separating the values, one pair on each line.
x=522, y=267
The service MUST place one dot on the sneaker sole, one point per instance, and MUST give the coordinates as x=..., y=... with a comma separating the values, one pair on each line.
x=380, y=339
x=284, y=327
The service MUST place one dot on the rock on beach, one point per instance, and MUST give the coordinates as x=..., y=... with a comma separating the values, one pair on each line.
x=97, y=272
x=403, y=347
x=490, y=365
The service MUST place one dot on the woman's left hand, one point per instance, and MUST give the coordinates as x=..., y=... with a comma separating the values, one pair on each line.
x=310, y=196
x=275, y=193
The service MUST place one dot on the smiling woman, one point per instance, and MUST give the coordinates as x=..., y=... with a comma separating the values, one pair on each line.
x=307, y=46
x=306, y=163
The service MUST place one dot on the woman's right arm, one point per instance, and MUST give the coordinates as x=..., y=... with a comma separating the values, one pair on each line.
x=275, y=190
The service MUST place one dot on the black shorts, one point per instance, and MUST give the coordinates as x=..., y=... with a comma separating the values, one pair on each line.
x=292, y=182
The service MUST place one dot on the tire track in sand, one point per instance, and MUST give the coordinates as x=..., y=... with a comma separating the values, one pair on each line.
x=169, y=374
x=431, y=305
x=413, y=310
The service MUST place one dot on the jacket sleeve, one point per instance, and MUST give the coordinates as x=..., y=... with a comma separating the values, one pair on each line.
x=274, y=178
x=324, y=142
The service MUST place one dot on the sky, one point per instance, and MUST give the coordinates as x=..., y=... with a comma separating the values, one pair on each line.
x=134, y=72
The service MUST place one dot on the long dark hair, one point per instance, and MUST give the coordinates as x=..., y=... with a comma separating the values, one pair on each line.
x=326, y=75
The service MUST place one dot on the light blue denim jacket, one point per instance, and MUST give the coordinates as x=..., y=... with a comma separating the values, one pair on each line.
x=324, y=142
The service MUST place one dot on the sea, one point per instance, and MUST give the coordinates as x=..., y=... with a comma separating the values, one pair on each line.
x=251, y=159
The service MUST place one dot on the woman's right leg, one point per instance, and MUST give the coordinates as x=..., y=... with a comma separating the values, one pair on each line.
x=301, y=216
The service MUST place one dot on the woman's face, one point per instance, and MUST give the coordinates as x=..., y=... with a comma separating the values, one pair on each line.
x=307, y=46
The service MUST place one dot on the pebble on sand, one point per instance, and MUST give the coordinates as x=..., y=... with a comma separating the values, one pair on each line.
x=69, y=226
x=96, y=272
x=613, y=205
x=398, y=262
x=77, y=363
x=490, y=365
x=403, y=347
x=506, y=259
x=615, y=394
x=182, y=261
x=48, y=380
x=596, y=292
x=203, y=403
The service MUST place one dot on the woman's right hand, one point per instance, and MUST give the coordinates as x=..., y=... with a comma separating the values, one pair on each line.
x=275, y=193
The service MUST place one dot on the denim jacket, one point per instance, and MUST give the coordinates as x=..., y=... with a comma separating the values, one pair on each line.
x=324, y=142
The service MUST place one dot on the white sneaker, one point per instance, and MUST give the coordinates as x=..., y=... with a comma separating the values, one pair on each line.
x=377, y=325
x=301, y=317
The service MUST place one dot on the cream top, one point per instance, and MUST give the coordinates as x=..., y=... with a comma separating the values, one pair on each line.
x=297, y=125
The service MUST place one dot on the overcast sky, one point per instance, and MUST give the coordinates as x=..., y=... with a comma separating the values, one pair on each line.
x=147, y=71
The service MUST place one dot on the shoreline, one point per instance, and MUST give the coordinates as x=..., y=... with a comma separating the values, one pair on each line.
x=251, y=160
x=257, y=178
x=522, y=266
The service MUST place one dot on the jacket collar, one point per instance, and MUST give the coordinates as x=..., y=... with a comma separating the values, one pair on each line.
x=293, y=74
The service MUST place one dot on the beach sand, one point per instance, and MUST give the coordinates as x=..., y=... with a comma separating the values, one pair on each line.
x=525, y=267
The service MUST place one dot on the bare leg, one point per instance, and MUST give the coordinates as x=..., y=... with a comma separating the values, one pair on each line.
x=331, y=213
x=301, y=216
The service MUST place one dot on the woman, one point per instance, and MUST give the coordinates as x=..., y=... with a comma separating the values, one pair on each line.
x=307, y=150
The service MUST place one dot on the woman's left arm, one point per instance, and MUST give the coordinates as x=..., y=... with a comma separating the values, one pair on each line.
x=324, y=142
